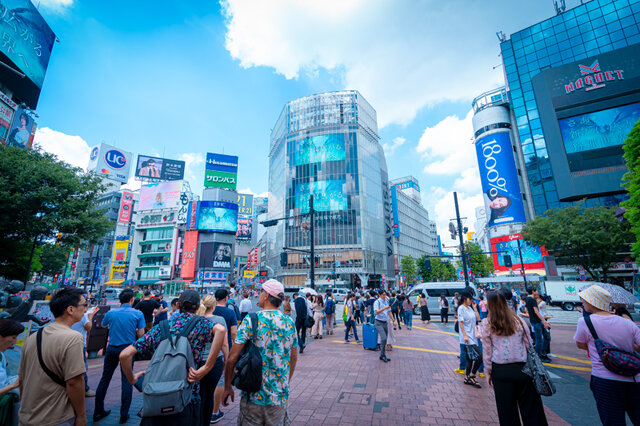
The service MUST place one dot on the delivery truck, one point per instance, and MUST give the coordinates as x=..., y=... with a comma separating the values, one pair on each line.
x=563, y=293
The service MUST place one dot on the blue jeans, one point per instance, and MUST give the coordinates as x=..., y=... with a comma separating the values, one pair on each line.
x=86, y=368
x=111, y=361
x=408, y=318
x=541, y=339
x=351, y=324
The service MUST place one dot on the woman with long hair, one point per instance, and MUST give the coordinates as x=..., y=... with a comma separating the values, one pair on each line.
x=424, y=309
x=468, y=317
x=209, y=382
x=444, y=309
x=505, y=339
x=318, y=315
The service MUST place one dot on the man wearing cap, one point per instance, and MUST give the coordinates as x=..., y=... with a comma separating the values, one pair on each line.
x=203, y=332
x=276, y=340
x=614, y=394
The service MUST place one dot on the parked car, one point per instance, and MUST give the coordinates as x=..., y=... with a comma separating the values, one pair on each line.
x=112, y=293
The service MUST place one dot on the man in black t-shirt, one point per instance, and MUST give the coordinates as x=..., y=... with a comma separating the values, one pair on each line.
x=147, y=305
x=538, y=323
x=229, y=315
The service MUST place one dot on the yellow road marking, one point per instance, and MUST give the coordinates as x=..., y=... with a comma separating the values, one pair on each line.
x=582, y=361
x=567, y=367
x=435, y=331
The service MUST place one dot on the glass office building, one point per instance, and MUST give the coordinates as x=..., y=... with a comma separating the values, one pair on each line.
x=327, y=145
x=582, y=46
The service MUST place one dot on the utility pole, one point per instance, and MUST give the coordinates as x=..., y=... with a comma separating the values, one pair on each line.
x=33, y=249
x=312, y=245
x=462, y=252
x=524, y=274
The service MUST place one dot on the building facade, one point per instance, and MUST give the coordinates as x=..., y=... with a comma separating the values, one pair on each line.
x=578, y=67
x=414, y=234
x=327, y=145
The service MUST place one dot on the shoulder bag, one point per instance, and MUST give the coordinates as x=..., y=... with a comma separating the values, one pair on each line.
x=534, y=368
x=56, y=379
x=616, y=360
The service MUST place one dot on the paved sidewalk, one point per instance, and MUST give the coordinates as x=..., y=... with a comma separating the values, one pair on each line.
x=336, y=383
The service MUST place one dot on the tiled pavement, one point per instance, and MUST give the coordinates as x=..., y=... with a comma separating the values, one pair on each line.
x=339, y=384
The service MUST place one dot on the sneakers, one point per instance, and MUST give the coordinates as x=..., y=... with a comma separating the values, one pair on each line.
x=481, y=374
x=457, y=370
x=545, y=358
x=550, y=355
x=384, y=358
x=89, y=393
x=215, y=418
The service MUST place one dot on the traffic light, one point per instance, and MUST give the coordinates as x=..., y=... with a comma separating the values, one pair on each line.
x=283, y=259
x=452, y=230
x=507, y=261
x=427, y=265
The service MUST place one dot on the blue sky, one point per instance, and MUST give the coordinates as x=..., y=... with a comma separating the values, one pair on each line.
x=182, y=78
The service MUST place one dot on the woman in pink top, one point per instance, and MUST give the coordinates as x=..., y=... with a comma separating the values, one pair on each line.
x=614, y=394
x=505, y=352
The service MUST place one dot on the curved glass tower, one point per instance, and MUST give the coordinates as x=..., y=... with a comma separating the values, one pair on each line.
x=326, y=145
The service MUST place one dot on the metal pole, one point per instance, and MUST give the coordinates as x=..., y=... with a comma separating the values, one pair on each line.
x=33, y=249
x=312, y=244
x=462, y=253
x=524, y=274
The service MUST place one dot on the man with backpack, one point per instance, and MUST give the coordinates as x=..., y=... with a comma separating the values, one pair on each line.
x=330, y=312
x=275, y=339
x=171, y=388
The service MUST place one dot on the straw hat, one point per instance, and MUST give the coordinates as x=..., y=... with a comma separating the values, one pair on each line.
x=597, y=297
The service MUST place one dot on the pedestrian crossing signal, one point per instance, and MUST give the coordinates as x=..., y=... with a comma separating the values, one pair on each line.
x=283, y=259
x=427, y=265
x=507, y=261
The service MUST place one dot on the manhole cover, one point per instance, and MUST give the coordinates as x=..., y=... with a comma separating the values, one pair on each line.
x=354, y=398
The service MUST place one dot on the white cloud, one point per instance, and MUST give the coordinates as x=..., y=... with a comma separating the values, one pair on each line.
x=402, y=56
x=70, y=149
x=249, y=191
x=194, y=170
x=447, y=146
x=55, y=5
x=445, y=210
x=469, y=181
x=390, y=149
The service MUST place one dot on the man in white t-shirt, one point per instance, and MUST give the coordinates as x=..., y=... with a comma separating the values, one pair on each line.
x=245, y=306
x=83, y=327
x=381, y=310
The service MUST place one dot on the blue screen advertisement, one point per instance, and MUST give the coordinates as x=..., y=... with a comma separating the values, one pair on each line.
x=328, y=196
x=218, y=216
x=27, y=40
x=499, y=177
x=319, y=149
x=594, y=140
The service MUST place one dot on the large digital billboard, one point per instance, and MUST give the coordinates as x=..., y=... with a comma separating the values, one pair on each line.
x=319, y=149
x=328, y=196
x=161, y=195
x=508, y=245
x=111, y=162
x=159, y=168
x=217, y=216
x=119, y=259
x=221, y=171
x=22, y=131
x=594, y=140
x=244, y=229
x=27, y=40
x=499, y=178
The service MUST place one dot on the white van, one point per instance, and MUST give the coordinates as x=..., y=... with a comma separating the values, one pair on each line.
x=112, y=293
x=340, y=294
x=433, y=290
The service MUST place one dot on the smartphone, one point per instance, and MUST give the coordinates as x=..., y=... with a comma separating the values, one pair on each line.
x=138, y=384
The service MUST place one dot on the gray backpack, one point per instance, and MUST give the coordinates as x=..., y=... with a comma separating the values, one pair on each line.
x=165, y=389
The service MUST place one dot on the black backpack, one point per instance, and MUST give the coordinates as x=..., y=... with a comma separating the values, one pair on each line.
x=247, y=373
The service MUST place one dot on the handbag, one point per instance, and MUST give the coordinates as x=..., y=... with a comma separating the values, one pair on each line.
x=309, y=321
x=534, y=368
x=473, y=352
x=456, y=327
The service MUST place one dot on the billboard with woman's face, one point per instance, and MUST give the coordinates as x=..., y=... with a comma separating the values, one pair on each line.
x=499, y=177
x=22, y=130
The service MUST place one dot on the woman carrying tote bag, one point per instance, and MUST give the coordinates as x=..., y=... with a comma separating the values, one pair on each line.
x=505, y=353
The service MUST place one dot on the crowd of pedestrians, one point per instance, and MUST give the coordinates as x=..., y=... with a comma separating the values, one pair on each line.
x=494, y=330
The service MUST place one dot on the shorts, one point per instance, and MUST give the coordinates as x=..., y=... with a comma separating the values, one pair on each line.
x=251, y=414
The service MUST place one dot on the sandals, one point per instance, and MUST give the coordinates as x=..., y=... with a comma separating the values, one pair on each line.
x=471, y=380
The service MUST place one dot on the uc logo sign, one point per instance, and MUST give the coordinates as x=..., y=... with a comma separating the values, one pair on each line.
x=115, y=159
x=94, y=153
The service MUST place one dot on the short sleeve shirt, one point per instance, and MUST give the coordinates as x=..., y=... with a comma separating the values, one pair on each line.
x=79, y=327
x=147, y=307
x=123, y=323
x=379, y=304
x=200, y=335
x=45, y=402
x=229, y=317
x=467, y=319
x=276, y=337
x=531, y=304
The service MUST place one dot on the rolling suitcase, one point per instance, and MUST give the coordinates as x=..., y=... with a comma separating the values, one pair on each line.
x=369, y=336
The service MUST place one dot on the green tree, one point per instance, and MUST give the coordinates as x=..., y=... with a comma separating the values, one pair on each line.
x=44, y=199
x=408, y=267
x=590, y=237
x=440, y=271
x=53, y=259
x=631, y=181
x=480, y=263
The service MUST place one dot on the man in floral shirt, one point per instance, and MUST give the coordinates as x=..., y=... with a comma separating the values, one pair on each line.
x=278, y=345
x=203, y=332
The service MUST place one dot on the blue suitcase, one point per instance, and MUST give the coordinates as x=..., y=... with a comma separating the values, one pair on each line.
x=369, y=336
